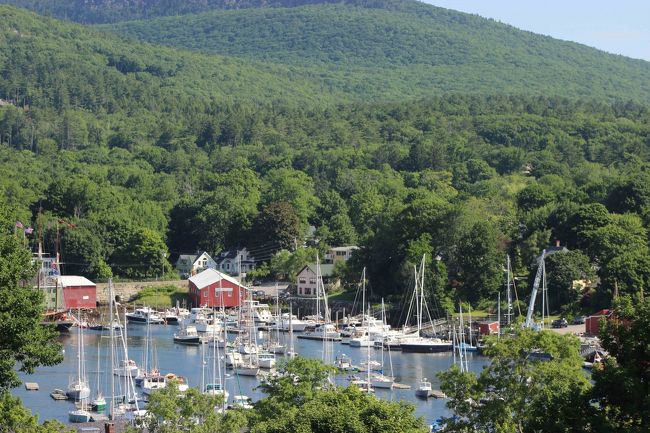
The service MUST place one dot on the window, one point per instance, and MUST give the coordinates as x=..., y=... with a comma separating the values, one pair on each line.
x=312, y=281
x=205, y=294
x=307, y=291
x=340, y=253
x=302, y=281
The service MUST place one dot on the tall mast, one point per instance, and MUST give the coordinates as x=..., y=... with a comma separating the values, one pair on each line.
x=112, y=334
x=508, y=289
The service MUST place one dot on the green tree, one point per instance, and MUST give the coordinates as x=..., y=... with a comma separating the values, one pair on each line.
x=277, y=225
x=480, y=262
x=622, y=386
x=18, y=419
x=517, y=392
x=25, y=344
x=561, y=271
x=194, y=413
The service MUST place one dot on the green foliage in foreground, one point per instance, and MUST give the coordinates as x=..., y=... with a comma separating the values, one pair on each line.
x=516, y=392
x=302, y=401
x=17, y=419
x=623, y=384
x=25, y=344
x=519, y=393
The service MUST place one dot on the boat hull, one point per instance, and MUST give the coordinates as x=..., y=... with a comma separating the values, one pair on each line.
x=79, y=416
x=425, y=348
x=190, y=341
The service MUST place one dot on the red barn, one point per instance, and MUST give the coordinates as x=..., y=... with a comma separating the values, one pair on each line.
x=211, y=288
x=78, y=292
x=592, y=323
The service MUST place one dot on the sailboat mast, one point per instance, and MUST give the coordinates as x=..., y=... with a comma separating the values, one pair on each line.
x=508, y=289
x=112, y=334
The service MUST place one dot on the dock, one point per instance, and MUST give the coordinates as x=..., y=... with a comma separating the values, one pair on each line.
x=31, y=386
x=401, y=386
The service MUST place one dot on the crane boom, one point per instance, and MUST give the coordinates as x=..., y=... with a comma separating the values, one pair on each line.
x=538, y=278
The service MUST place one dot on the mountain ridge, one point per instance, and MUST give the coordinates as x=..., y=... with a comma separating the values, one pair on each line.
x=431, y=50
x=107, y=11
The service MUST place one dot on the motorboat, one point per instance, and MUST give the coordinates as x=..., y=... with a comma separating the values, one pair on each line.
x=378, y=380
x=78, y=390
x=344, y=362
x=323, y=331
x=175, y=315
x=266, y=360
x=371, y=365
x=291, y=321
x=241, y=402
x=203, y=319
x=79, y=416
x=127, y=368
x=188, y=335
x=144, y=315
x=247, y=369
x=424, y=389
x=260, y=313
x=153, y=383
x=98, y=404
x=216, y=389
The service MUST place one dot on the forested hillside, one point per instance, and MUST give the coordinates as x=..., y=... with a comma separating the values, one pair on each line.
x=135, y=153
x=104, y=11
x=422, y=50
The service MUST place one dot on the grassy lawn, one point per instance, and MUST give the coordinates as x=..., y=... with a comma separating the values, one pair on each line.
x=162, y=296
x=341, y=295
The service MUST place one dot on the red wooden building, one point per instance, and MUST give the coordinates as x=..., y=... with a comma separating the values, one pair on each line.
x=77, y=292
x=211, y=288
x=592, y=323
x=488, y=328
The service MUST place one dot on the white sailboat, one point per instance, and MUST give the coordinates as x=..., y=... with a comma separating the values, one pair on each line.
x=420, y=343
x=78, y=389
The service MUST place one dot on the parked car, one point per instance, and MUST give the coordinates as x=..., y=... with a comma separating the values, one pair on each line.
x=559, y=323
x=578, y=320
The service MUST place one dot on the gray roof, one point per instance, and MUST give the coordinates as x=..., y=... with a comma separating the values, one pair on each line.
x=325, y=270
x=190, y=257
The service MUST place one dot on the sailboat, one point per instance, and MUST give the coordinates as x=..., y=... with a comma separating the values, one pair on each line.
x=419, y=343
x=291, y=353
x=99, y=403
x=217, y=386
x=379, y=379
x=79, y=390
x=325, y=330
x=274, y=345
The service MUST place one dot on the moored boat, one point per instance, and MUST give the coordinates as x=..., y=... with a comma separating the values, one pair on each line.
x=188, y=335
x=144, y=315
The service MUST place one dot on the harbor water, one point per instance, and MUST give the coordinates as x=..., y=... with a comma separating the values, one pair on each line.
x=408, y=369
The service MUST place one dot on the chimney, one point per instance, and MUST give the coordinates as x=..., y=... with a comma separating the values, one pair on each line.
x=109, y=427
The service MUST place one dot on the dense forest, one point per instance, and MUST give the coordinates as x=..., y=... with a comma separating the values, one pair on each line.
x=419, y=51
x=129, y=154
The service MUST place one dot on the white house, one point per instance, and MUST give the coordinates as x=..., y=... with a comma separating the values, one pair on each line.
x=338, y=254
x=235, y=261
x=306, y=279
x=192, y=264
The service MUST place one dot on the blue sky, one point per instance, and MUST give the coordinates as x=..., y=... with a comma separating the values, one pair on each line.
x=615, y=26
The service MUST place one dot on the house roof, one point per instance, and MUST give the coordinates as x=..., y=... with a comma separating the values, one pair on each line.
x=211, y=276
x=325, y=270
x=348, y=248
x=204, y=253
x=74, y=281
x=191, y=258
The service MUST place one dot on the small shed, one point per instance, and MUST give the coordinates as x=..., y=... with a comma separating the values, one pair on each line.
x=78, y=292
x=488, y=328
x=592, y=323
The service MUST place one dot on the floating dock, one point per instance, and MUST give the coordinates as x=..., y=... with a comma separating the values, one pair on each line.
x=31, y=386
